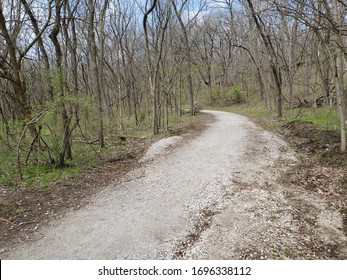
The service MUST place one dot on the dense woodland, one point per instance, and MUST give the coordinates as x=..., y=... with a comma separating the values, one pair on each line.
x=77, y=72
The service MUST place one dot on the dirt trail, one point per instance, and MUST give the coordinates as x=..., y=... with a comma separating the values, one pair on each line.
x=218, y=196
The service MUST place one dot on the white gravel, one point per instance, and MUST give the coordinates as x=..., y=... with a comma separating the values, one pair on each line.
x=215, y=197
x=160, y=146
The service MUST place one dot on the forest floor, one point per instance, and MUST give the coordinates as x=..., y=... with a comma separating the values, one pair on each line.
x=322, y=167
x=229, y=190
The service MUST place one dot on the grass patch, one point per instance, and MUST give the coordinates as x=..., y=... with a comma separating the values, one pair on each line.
x=288, y=253
x=20, y=211
x=324, y=118
x=274, y=218
x=41, y=174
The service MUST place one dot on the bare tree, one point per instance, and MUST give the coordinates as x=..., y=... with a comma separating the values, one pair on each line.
x=273, y=57
x=13, y=54
x=154, y=42
x=61, y=87
x=97, y=68
x=185, y=26
x=326, y=19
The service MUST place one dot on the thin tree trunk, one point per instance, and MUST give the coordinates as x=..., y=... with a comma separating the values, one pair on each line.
x=66, y=147
x=340, y=96
x=188, y=59
x=95, y=70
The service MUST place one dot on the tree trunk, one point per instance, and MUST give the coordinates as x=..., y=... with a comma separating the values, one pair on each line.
x=188, y=59
x=66, y=147
x=340, y=97
x=95, y=70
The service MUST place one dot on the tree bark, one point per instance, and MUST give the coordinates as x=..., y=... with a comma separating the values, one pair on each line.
x=66, y=147
x=272, y=57
x=96, y=74
x=340, y=99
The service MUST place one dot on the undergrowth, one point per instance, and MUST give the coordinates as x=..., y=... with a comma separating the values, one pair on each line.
x=39, y=171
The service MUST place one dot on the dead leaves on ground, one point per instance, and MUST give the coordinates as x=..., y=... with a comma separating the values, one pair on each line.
x=324, y=180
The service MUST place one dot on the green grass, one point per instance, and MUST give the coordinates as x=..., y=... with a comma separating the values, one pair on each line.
x=274, y=218
x=41, y=175
x=325, y=118
x=20, y=211
x=288, y=253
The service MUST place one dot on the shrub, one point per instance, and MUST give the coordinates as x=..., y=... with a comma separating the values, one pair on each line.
x=235, y=95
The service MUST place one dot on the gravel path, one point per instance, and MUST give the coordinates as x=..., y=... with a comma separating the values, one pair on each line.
x=215, y=197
